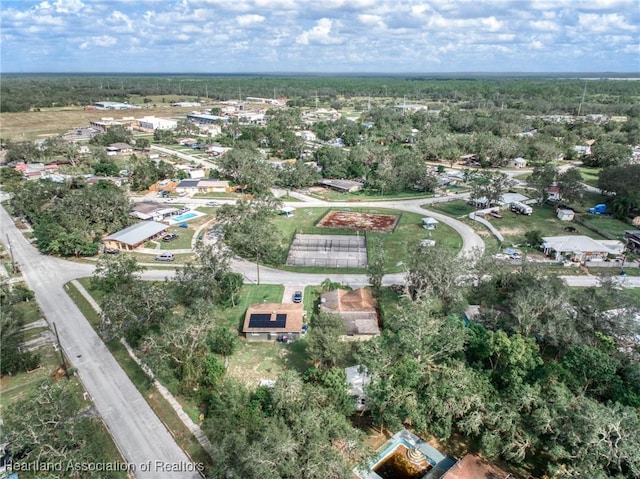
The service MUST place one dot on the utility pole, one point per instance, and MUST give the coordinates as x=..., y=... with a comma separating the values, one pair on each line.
x=64, y=362
x=13, y=261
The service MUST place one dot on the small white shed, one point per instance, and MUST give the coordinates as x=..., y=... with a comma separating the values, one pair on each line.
x=565, y=214
x=429, y=223
x=287, y=211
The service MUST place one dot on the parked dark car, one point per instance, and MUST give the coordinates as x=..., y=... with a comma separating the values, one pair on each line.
x=297, y=297
x=169, y=237
x=111, y=251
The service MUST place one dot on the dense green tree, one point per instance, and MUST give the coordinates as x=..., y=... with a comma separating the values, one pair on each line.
x=541, y=178
x=324, y=344
x=13, y=357
x=114, y=134
x=571, y=187
x=605, y=154
x=209, y=278
x=116, y=273
x=49, y=426
x=490, y=186
x=298, y=175
x=11, y=180
x=622, y=181
x=375, y=264
x=436, y=272
x=334, y=162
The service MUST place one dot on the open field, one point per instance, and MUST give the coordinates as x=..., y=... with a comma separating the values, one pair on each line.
x=51, y=122
x=456, y=208
x=589, y=175
x=253, y=362
x=331, y=195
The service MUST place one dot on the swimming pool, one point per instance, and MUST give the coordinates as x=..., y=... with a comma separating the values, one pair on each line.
x=184, y=217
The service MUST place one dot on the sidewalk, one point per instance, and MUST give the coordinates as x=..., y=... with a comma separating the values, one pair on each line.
x=186, y=420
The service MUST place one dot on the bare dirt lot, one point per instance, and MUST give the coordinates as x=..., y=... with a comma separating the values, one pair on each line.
x=359, y=221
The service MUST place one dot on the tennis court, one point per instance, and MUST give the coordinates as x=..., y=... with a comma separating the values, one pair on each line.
x=328, y=251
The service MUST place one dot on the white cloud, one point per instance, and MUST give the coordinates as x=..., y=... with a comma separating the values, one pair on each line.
x=249, y=19
x=607, y=22
x=68, y=6
x=101, y=41
x=320, y=34
x=545, y=26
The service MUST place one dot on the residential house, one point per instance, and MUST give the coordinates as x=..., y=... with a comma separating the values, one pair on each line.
x=357, y=379
x=517, y=163
x=151, y=210
x=357, y=308
x=273, y=321
x=119, y=149
x=472, y=466
x=213, y=186
x=134, y=236
x=580, y=248
x=189, y=186
x=553, y=193
x=343, y=186
x=196, y=174
x=633, y=240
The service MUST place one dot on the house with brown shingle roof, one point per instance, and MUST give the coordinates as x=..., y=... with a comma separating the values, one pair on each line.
x=357, y=308
x=273, y=321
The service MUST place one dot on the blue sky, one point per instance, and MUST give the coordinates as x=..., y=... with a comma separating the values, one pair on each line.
x=342, y=36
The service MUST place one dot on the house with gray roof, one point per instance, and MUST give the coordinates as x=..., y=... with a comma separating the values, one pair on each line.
x=581, y=248
x=134, y=236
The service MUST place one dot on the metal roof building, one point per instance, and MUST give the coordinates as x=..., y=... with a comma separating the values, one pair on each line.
x=133, y=236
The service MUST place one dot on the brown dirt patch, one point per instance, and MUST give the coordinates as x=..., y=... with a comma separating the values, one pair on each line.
x=359, y=221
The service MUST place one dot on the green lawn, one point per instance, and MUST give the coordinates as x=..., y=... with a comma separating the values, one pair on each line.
x=185, y=235
x=607, y=225
x=253, y=362
x=589, y=175
x=455, y=208
x=396, y=244
x=331, y=195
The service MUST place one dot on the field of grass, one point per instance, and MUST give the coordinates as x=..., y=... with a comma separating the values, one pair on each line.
x=608, y=225
x=589, y=175
x=253, y=362
x=396, y=244
x=456, y=208
x=185, y=235
x=331, y=195
x=56, y=121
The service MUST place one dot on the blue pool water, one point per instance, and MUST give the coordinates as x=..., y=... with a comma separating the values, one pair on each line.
x=186, y=216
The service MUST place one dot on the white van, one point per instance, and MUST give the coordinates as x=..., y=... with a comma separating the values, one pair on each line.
x=165, y=257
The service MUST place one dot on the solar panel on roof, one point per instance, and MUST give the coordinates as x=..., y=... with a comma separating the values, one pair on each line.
x=261, y=320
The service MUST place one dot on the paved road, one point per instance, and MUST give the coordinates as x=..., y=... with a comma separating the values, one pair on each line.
x=184, y=156
x=133, y=425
